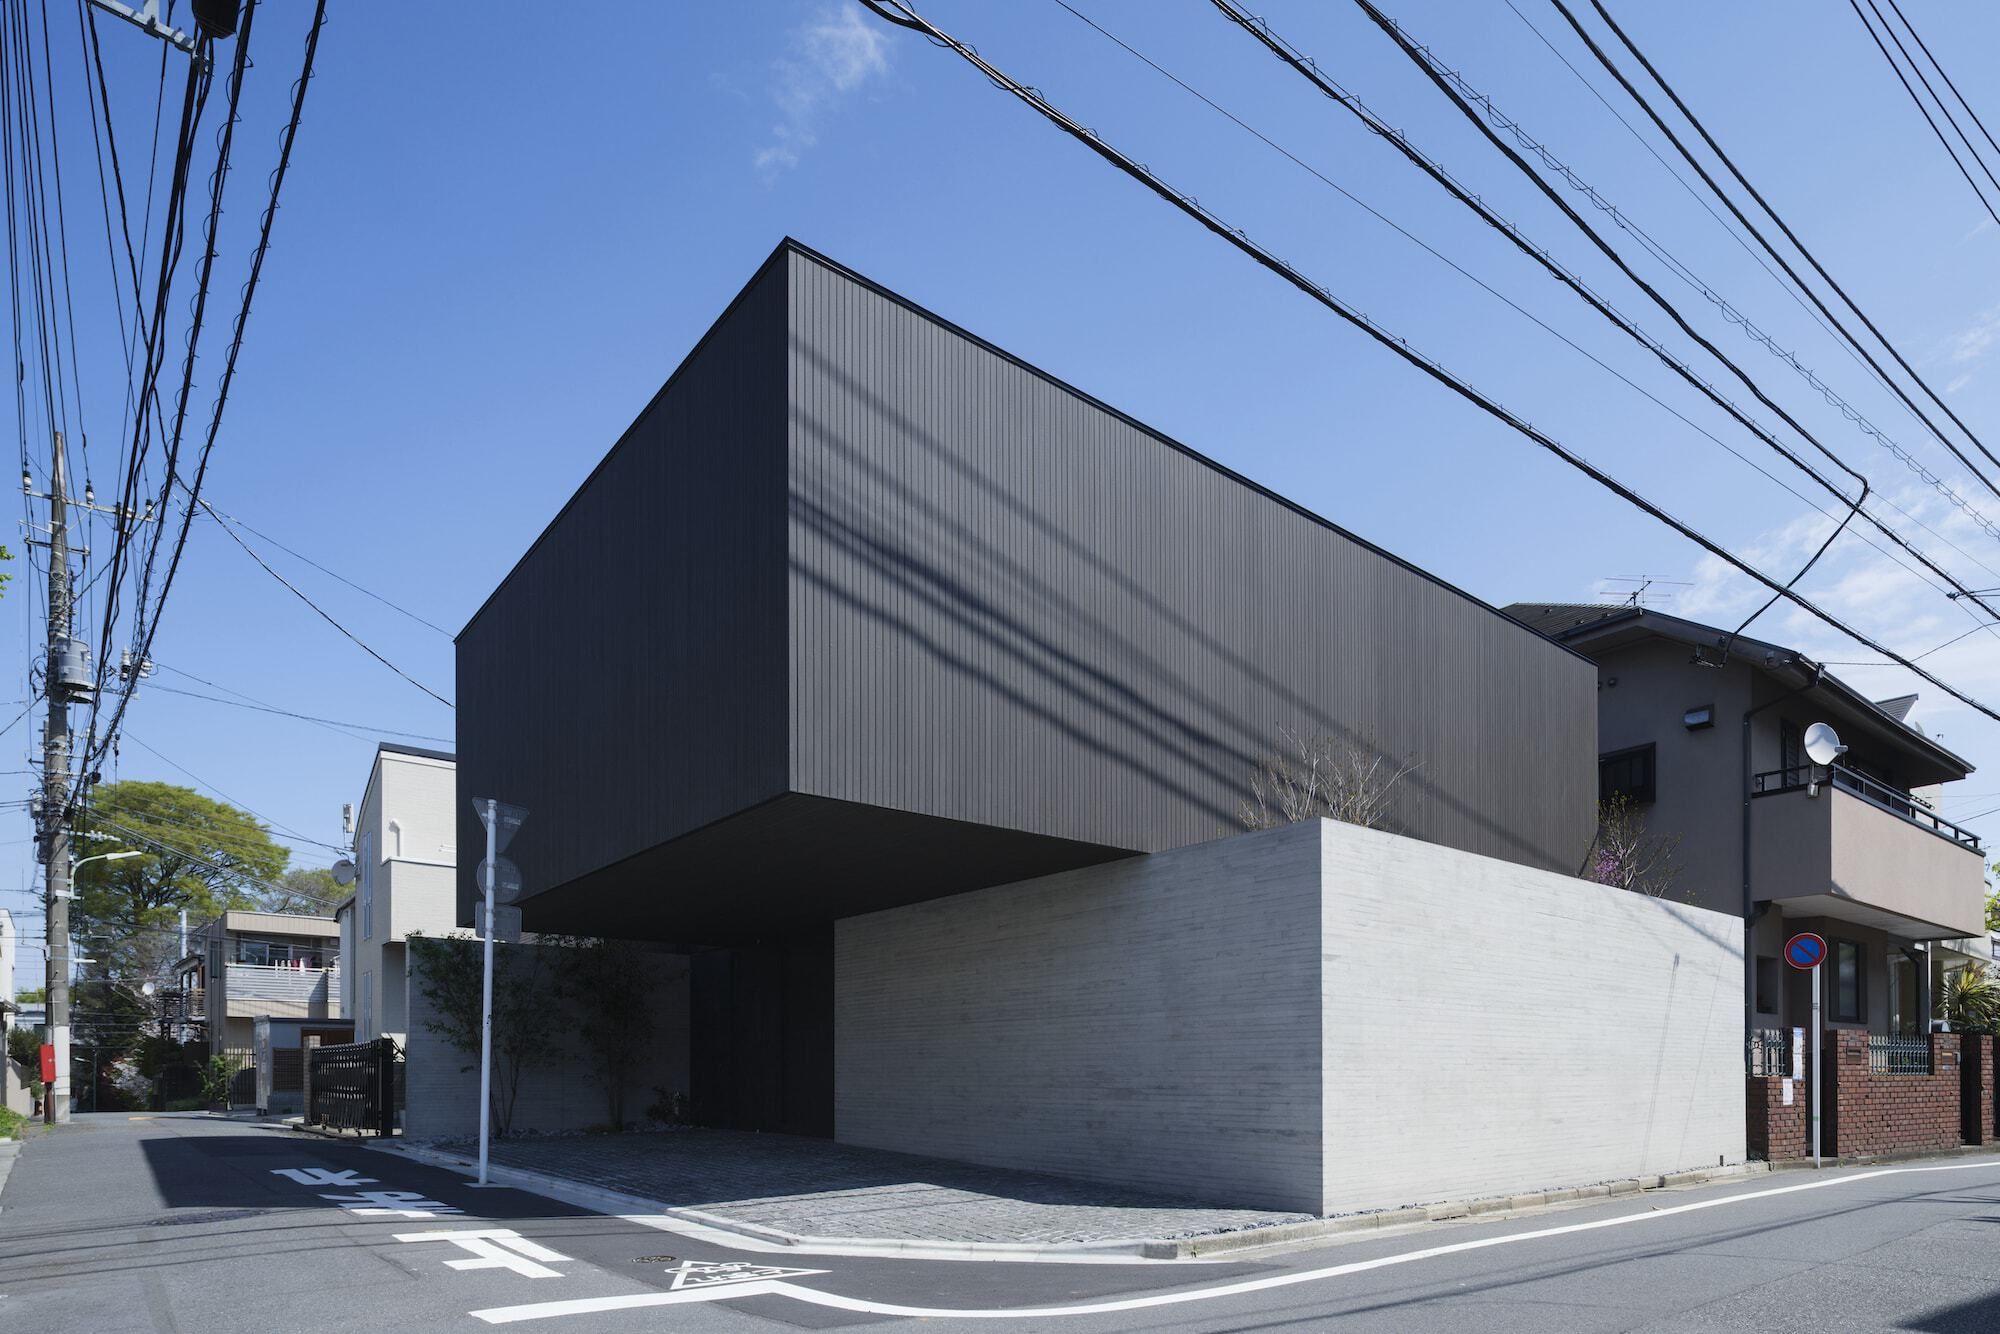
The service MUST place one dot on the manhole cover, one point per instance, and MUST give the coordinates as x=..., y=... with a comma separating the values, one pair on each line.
x=654, y=1260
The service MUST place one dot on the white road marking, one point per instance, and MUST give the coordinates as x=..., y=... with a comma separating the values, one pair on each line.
x=495, y=1248
x=324, y=1176
x=504, y=1315
x=708, y=1273
x=392, y=1204
x=682, y=1224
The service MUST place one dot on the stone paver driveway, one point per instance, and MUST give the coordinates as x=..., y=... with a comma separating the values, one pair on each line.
x=816, y=1188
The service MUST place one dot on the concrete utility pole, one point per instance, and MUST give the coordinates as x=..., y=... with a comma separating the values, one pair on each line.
x=55, y=787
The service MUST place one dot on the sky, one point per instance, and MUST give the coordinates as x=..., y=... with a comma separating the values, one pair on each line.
x=503, y=228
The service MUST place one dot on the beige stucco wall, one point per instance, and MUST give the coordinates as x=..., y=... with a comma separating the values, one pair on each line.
x=1837, y=843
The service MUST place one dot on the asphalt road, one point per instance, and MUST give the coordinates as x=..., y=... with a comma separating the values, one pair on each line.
x=196, y=1224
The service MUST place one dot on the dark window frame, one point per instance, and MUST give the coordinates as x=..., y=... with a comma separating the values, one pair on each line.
x=1643, y=792
x=1770, y=984
x=1860, y=1012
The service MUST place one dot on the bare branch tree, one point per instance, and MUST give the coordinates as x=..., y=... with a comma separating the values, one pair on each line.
x=1627, y=855
x=1315, y=776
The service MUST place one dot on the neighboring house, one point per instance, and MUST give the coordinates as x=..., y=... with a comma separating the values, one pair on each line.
x=863, y=616
x=13, y=1083
x=1705, y=736
x=243, y=966
x=405, y=867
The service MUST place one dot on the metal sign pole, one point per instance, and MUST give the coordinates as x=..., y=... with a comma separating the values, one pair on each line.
x=487, y=991
x=1818, y=1076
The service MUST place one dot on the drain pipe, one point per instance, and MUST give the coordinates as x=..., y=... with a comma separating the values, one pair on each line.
x=1751, y=914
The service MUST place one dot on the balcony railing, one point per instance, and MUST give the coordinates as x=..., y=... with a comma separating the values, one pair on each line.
x=277, y=982
x=1879, y=795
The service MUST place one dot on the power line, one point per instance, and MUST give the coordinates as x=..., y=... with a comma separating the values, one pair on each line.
x=1925, y=48
x=324, y=615
x=277, y=181
x=1951, y=152
x=200, y=782
x=1611, y=67
x=302, y=717
x=335, y=574
x=1396, y=138
x=1473, y=278
x=902, y=14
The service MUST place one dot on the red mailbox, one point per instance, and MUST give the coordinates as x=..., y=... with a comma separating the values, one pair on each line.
x=48, y=1065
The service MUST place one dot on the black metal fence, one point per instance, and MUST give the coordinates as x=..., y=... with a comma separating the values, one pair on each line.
x=354, y=1086
x=1899, y=1055
x=1768, y=1052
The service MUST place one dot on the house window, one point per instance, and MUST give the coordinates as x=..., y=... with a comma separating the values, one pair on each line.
x=1768, y=983
x=366, y=897
x=1850, y=994
x=1626, y=773
x=1791, y=754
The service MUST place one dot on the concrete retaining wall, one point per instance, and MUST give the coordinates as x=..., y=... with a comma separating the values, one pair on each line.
x=1153, y=1022
x=1492, y=1028
x=442, y=1083
x=1322, y=1017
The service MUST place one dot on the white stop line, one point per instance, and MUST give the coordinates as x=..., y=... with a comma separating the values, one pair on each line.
x=506, y=1315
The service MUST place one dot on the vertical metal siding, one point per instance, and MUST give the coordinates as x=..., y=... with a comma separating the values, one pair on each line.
x=1009, y=605
x=626, y=682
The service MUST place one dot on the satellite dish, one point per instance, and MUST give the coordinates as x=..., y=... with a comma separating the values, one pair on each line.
x=1823, y=744
x=343, y=872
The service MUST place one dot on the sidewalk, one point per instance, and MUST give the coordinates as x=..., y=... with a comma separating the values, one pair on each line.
x=796, y=1189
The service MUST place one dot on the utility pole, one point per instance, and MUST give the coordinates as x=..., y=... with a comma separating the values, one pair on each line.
x=64, y=662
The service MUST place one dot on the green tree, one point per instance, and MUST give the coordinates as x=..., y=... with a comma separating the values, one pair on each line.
x=526, y=1019
x=304, y=889
x=5, y=576
x=607, y=985
x=1993, y=911
x=199, y=855
x=33, y=996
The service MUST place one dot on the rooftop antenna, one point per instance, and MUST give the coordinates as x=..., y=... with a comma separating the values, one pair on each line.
x=1642, y=591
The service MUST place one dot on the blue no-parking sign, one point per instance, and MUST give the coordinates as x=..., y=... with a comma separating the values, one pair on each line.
x=1805, y=950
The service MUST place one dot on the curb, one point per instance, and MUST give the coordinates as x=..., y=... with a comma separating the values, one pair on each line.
x=1157, y=1248
x=1882, y=1159
x=1492, y=1207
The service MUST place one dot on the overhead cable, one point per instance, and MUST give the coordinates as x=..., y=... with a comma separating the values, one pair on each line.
x=902, y=14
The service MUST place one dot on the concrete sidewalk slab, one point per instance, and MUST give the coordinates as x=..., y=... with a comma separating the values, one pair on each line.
x=778, y=1191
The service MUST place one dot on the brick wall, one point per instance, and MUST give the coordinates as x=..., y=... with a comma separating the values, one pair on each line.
x=1776, y=1131
x=1976, y=1091
x=1880, y=1113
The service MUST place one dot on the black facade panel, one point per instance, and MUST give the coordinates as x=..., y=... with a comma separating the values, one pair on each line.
x=626, y=682
x=862, y=611
x=1013, y=606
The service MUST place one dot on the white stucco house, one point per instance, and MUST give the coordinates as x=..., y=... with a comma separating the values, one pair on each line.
x=405, y=868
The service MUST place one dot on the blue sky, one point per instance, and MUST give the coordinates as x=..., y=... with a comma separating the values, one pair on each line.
x=501, y=234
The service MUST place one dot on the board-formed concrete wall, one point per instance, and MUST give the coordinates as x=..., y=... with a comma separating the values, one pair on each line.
x=441, y=1084
x=1493, y=1029
x=1153, y=1022
x=1321, y=1017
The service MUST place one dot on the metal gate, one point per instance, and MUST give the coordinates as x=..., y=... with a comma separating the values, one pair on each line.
x=354, y=1086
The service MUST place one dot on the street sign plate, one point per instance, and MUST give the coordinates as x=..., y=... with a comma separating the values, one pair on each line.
x=507, y=925
x=508, y=823
x=1805, y=950
x=506, y=880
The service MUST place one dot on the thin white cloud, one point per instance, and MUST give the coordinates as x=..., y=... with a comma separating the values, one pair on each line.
x=1958, y=382
x=1973, y=341
x=831, y=55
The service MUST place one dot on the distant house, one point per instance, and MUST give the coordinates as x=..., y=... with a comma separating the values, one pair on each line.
x=405, y=882
x=243, y=966
x=1704, y=734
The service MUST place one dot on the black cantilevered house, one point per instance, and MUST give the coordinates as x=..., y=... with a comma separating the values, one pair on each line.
x=864, y=611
